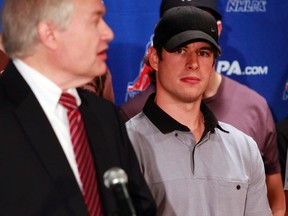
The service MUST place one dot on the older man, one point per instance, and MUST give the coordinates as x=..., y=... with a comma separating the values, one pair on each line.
x=57, y=141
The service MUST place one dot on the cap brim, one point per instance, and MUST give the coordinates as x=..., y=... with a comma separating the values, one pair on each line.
x=189, y=36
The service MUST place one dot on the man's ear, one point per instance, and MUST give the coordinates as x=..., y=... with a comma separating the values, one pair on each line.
x=47, y=32
x=153, y=58
x=219, y=26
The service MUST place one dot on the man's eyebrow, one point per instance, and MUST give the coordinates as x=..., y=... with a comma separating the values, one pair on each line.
x=99, y=11
x=206, y=48
x=95, y=15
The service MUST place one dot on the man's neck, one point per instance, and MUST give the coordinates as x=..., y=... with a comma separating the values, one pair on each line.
x=189, y=115
x=214, y=83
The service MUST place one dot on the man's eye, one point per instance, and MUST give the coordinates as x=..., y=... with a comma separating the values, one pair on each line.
x=203, y=53
x=180, y=50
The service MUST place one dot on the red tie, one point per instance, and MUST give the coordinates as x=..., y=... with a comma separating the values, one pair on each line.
x=83, y=155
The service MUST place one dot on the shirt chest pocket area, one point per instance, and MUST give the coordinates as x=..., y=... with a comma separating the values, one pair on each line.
x=230, y=194
x=227, y=188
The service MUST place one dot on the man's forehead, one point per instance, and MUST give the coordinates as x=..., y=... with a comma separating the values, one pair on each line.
x=92, y=6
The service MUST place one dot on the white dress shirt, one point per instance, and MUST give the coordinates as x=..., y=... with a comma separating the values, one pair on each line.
x=48, y=95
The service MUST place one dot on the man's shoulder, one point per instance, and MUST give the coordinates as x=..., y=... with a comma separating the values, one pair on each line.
x=241, y=89
x=135, y=105
x=91, y=97
x=98, y=108
x=238, y=144
x=141, y=125
x=136, y=122
x=234, y=134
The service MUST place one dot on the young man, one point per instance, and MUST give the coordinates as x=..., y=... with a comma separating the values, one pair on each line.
x=249, y=115
x=193, y=164
x=53, y=154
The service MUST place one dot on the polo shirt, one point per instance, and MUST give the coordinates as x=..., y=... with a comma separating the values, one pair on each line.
x=221, y=175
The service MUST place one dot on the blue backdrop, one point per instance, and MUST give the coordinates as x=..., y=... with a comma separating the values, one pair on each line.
x=253, y=41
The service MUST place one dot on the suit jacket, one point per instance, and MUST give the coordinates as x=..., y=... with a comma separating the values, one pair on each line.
x=282, y=141
x=36, y=178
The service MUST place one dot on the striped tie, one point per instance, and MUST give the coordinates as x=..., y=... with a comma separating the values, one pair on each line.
x=83, y=155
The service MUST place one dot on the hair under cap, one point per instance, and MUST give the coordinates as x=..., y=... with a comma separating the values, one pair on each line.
x=182, y=25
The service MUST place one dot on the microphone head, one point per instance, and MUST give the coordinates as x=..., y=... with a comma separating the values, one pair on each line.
x=115, y=176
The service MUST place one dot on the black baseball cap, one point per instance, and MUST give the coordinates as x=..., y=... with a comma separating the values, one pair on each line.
x=183, y=25
x=209, y=5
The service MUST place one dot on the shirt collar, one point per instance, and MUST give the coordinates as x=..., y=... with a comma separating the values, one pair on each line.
x=166, y=124
x=46, y=91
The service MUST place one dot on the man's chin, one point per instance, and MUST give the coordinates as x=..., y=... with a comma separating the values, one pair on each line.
x=100, y=69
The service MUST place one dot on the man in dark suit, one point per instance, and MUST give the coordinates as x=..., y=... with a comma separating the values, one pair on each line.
x=55, y=47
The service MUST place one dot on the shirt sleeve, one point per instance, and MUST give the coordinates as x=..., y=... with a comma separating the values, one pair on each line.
x=257, y=201
x=270, y=155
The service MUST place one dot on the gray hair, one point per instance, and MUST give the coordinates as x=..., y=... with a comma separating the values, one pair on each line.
x=20, y=19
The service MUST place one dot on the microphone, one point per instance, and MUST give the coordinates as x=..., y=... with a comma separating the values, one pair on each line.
x=116, y=180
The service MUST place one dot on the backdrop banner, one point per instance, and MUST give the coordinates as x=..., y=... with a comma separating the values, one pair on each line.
x=253, y=43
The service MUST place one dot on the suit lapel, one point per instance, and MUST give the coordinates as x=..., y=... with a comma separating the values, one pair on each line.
x=96, y=135
x=101, y=146
x=42, y=138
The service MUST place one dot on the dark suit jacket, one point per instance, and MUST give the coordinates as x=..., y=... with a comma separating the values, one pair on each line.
x=36, y=178
x=282, y=140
